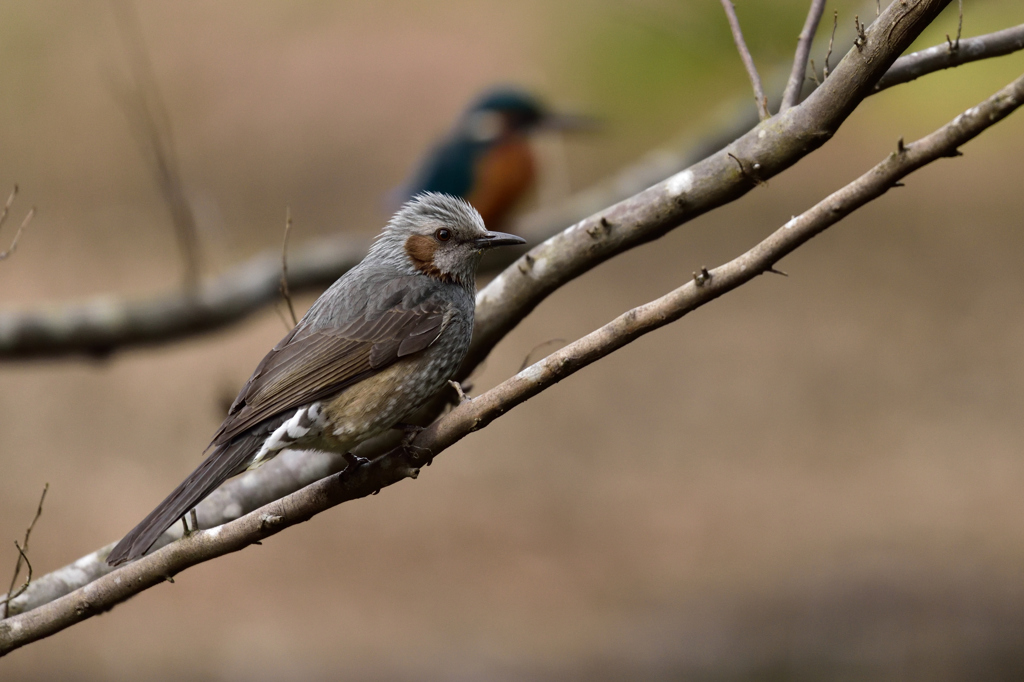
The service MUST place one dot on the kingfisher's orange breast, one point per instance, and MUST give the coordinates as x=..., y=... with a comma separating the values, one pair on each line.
x=501, y=177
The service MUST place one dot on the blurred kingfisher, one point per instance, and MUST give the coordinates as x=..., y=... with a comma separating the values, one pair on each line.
x=486, y=159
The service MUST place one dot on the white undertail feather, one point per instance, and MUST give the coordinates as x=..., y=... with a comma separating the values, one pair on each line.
x=305, y=425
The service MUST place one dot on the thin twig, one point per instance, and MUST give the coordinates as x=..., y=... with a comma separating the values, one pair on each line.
x=959, y=22
x=22, y=557
x=814, y=75
x=791, y=96
x=831, y=40
x=748, y=61
x=858, y=28
x=145, y=109
x=954, y=47
x=284, y=265
x=11, y=593
x=7, y=206
x=527, y=361
x=21, y=228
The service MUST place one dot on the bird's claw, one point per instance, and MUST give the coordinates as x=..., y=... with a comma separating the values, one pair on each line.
x=458, y=390
x=410, y=432
x=354, y=462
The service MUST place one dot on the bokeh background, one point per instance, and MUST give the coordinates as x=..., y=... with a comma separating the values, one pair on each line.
x=815, y=476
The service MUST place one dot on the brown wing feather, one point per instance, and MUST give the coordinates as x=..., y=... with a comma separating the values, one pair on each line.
x=308, y=366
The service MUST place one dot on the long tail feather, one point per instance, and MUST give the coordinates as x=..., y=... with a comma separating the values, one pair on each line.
x=224, y=462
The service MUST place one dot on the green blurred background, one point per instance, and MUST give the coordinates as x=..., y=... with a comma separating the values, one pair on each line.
x=813, y=477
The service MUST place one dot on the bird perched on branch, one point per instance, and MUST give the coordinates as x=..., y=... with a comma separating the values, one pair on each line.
x=381, y=341
x=486, y=159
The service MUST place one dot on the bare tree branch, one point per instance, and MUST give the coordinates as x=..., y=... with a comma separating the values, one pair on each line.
x=99, y=327
x=766, y=151
x=22, y=556
x=748, y=61
x=472, y=415
x=940, y=57
x=726, y=175
x=791, y=96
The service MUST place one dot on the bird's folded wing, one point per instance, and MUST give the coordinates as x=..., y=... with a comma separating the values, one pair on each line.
x=308, y=366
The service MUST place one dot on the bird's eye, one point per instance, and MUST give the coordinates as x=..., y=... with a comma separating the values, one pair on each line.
x=443, y=235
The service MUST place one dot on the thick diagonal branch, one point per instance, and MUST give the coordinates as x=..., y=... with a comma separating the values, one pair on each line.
x=722, y=177
x=475, y=414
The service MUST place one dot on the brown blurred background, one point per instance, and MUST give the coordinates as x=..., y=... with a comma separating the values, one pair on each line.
x=813, y=477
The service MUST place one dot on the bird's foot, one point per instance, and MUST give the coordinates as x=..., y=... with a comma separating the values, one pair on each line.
x=410, y=432
x=186, y=531
x=463, y=397
x=354, y=462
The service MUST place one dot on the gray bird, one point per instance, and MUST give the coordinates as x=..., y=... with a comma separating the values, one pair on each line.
x=381, y=341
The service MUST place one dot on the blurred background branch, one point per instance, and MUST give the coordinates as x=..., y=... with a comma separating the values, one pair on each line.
x=107, y=324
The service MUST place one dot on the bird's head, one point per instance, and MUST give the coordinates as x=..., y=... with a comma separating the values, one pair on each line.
x=506, y=111
x=440, y=236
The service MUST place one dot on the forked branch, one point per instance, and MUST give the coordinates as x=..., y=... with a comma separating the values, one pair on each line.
x=13, y=593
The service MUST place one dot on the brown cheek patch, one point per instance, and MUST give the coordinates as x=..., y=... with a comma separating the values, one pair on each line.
x=421, y=252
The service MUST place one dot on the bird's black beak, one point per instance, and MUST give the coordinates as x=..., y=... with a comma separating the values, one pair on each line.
x=492, y=239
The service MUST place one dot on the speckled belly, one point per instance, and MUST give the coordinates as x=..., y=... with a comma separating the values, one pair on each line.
x=374, y=405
